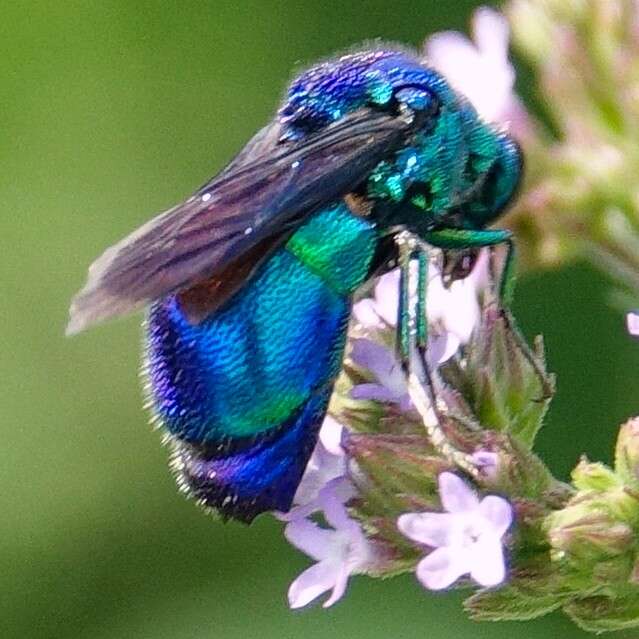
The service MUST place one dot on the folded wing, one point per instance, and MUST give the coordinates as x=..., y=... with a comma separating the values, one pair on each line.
x=265, y=193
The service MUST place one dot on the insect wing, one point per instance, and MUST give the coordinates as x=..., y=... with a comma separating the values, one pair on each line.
x=267, y=191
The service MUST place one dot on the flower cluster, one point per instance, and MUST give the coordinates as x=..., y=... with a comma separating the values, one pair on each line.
x=580, y=200
x=464, y=500
x=467, y=538
x=326, y=487
x=453, y=313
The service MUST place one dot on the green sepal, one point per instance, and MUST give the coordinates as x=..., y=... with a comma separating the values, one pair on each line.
x=395, y=475
x=532, y=591
x=502, y=380
x=594, y=476
x=603, y=614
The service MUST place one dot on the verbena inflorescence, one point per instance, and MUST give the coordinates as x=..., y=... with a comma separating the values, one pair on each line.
x=479, y=509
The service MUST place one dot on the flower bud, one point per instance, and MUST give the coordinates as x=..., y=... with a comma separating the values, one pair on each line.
x=532, y=28
x=594, y=476
x=587, y=532
x=627, y=453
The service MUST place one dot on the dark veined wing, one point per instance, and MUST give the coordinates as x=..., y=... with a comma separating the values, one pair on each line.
x=267, y=191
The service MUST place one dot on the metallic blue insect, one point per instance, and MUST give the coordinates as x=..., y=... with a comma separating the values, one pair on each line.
x=249, y=282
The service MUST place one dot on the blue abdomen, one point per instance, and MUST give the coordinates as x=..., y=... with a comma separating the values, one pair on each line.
x=243, y=393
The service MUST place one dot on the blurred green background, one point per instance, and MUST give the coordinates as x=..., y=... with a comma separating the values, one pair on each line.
x=110, y=111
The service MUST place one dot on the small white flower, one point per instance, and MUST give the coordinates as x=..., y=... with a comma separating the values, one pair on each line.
x=381, y=309
x=481, y=69
x=486, y=462
x=328, y=465
x=467, y=538
x=455, y=309
x=632, y=323
x=390, y=380
x=339, y=551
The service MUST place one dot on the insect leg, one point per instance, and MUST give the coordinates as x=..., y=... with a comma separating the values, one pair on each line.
x=411, y=343
x=465, y=239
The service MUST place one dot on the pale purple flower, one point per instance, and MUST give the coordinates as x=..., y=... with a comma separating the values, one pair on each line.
x=454, y=310
x=467, y=538
x=381, y=309
x=339, y=551
x=632, y=323
x=390, y=380
x=480, y=69
x=327, y=466
x=486, y=462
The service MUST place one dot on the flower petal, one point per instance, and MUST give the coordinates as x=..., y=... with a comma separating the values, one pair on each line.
x=498, y=512
x=312, y=583
x=373, y=356
x=334, y=509
x=462, y=312
x=374, y=392
x=341, y=581
x=487, y=559
x=441, y=568
x=387, y=296
x=310, y=538
x=632, y=323
x=340, y=489
x=365, y=312
x=331, y=435
x=432, y=529
x=483, y=73
x=455, y=494
x=491, y=32
x=441, y=348
x=322, y=467
x=449, y=48
x=480, y=275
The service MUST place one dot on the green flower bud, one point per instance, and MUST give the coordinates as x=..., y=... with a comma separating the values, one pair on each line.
x=594, y=476
x=627, y=453
x=504, y=382
x=595, y=526
x=532, y=28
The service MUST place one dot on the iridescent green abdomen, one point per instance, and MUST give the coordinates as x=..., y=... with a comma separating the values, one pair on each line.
x=228, y=385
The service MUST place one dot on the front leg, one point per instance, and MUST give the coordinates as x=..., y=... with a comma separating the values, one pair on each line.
x=411, y=346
